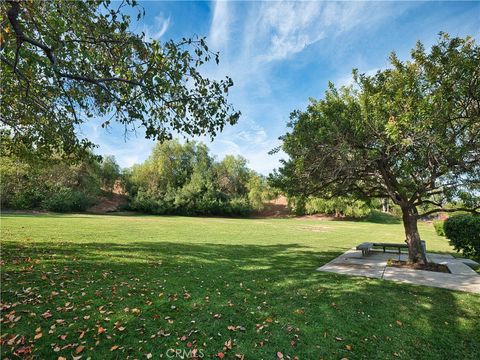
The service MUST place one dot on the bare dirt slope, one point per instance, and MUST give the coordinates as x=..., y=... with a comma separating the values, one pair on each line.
x=275, y=208
x=110, y=202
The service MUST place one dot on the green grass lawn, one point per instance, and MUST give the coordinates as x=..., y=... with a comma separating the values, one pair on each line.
x=129, y=286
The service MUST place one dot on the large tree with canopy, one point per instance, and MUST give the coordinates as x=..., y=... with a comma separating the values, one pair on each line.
x=64, y=63
x=410, y=133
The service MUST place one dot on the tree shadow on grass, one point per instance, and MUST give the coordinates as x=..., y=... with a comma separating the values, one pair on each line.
x=272, y=292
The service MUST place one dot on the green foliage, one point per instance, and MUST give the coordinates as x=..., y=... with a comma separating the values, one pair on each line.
x=439, y=227
x=53, y=185
x=410, y=133
x=297, y=204
x=64, y=63
x=109, y=172
x=402, y=133
x=379, y=217
x=259, y=191
x=184, y=179
x=233, y=175
x=463, y=232
x=339, y=206
x=64, y=199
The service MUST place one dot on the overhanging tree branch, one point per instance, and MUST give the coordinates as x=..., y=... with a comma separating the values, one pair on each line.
x=449, y=210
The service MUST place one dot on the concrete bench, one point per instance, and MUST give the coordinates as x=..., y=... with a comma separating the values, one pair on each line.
x=459, y=268
x=391, y=245
x=399, y=246
x=365, y=247
x=469, y=262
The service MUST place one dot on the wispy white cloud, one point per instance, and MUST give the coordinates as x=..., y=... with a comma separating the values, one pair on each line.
x=221, y=25
x=289, y=27
x=160, y=26
x=255, y=37
x=281, y=53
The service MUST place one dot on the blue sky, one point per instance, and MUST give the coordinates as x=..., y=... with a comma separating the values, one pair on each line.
x=280, y=54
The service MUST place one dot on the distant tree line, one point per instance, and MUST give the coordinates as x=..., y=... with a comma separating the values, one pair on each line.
x=177, y=179
x=181, y=179
x=55, y=184
x=185, y=179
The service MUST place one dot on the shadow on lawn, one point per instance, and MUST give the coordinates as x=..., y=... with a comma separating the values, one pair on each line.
x=278, y=282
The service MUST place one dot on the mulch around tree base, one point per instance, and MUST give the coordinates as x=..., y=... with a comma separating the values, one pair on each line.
x=426, y=267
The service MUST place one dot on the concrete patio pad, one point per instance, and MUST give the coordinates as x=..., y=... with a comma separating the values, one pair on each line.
x=461, y=278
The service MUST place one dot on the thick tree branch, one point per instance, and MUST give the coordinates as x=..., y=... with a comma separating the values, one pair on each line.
x=470, y=210
x=12, y=14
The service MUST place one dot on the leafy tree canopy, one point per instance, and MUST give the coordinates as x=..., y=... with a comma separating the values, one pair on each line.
x=410, y=133
x=185, y=179
x=65, y=62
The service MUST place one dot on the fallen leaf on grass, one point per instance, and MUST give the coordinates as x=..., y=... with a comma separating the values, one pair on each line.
x=348, y=347
x=280, y=355
x=229, y=344
x=399, y=323
x=220, y=355
x=47, y=314
x=114, y=347
x=38, y=336
x=79, y=349
x=135, y=311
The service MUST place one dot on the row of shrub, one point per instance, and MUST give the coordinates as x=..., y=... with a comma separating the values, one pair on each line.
x=54, y=185
x=463, y=233
x=337, y=206
x=184, y=179
x=177, y=179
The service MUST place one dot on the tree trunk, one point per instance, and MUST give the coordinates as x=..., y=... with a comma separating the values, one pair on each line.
x=415, y=251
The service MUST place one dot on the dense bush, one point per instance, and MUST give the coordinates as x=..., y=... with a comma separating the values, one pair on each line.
x=438, y=225
x=65, y=199
x=54, y=185
x=463, y=231
x=177, y=179
x=338, y=206
x=183, y=179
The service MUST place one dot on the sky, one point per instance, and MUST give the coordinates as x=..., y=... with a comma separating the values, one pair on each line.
x=281, y=54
